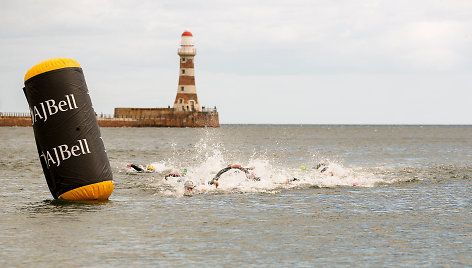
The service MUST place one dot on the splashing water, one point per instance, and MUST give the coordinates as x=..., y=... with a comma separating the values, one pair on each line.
x=202, y=162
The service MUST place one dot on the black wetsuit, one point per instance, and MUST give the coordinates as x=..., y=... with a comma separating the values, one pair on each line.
x=324, y=165
x=217, y=176
x=136, y=167
x=174, y=175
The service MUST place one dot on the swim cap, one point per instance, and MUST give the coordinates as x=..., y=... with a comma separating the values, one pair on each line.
x=303, y=167
x=185, y=170
x=150, y=167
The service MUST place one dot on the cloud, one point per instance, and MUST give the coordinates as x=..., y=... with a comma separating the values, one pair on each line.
x=277, y=51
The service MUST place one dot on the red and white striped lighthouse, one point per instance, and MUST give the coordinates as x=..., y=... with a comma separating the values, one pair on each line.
x=186, y=99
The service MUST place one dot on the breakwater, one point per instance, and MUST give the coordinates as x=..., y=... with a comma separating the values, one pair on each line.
x=135, y=117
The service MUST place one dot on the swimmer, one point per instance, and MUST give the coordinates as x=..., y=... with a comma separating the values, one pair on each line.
x=289, y=180
x=189, y=188
x=322, y=167
x=249, y=175
x=176, y=175
x=136, y=167
x=140, y=168
x=340, y=172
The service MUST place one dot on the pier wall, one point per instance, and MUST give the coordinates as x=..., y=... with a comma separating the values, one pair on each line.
x=167, y=117
x=139, y=117
x=15, y=121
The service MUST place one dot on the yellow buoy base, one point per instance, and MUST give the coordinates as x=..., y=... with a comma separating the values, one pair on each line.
x=96, y=191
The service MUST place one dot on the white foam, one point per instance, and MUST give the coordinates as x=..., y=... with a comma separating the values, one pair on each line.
x=208, y=157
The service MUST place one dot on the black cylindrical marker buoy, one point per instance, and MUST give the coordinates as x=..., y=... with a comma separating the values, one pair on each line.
x=68, y=138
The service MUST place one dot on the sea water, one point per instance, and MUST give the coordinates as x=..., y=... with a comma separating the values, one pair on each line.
x=393, y=196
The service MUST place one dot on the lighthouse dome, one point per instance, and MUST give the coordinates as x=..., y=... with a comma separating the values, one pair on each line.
x=187, y=33
x=187, y=40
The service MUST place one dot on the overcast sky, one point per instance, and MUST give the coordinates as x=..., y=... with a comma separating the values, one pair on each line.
x=297, y=62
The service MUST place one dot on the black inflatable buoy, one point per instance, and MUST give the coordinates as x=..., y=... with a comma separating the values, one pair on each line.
x=70, y=146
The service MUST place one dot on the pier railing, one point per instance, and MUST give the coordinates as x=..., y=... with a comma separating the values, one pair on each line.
x=14, y=114
x=102, y=115
x=209, y=110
